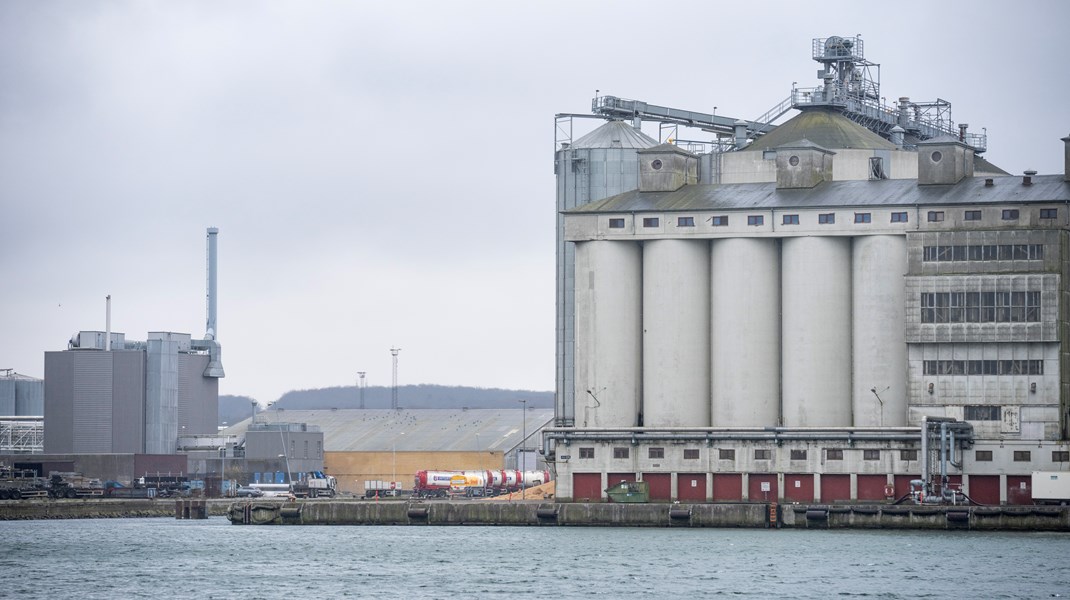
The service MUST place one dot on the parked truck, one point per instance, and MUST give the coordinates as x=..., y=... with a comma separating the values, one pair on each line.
x=1051, y=487
x=315, y=484
x=21, y=483
x=382, y=489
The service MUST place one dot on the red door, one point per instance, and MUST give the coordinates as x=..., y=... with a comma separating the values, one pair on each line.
x=984, y=489
x=691, y=487
x=660, y=486
x=763, y=487
x=836, y=488
x=728, y=487
x=902, y=484
x=1019, y=490
x=871, y=487
x=799, y=488
x=587, y=487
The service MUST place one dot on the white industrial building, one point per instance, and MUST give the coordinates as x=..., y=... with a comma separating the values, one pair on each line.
x=817, y=312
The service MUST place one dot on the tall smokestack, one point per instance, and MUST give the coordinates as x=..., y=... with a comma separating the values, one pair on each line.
x=211, y=332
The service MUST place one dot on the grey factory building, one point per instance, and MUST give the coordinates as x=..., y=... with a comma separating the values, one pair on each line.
x=822, y=311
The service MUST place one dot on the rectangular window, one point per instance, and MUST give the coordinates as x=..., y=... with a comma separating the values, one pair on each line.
x=833, y=453
x=826, y=218
x=1060, y=456
x=586, y=452
x=306, y=448
x=871, y=455
x=1010, y=214
x=971, y=215
x=798, y=455
x=791, y=219
x=755, y=220
x=690, y=453
x=726, y=453
x=982, y=456
x=1023, y=456
x=863, y=218
x=763, y=454
x=1049, y=213
x=656, y=453
x=935, y=216
x=719, y=221
x=899, y=217
x=908, y=455
x=319, y=449
x=620, y=452
x=616, y=223
x=685, y=221
x=980, y=307
x=651, y=222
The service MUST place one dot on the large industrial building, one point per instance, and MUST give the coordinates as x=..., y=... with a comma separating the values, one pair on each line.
x=818, y=311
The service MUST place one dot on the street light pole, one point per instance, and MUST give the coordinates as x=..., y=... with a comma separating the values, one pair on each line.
x=523, y=441
x=223, y=469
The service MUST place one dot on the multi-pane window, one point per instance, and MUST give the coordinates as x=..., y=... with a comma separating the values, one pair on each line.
x=833, y=453
x=936, y=216
x=1010, y=214
x=685, y=221
x=755, y=219
x=980, y=413
x=719, y=221
x=983, y=367
x=871, y=455
x=620, y=452
x=899, y=217
x=798, y=455
x=863, y=218
x=1049, y=213
x=656, y=453
x=982, y=456
x=651, y=221
x=690, y=453
x=726, y=453
x=763, y=454
x=616, y=223
x=791, y=219
x=1060, y=456
x=1023, y=456
x=908, y=455
x=971, y=215
x=826, y=218
x=586, y=452
x=980, y=307
x=983, y=252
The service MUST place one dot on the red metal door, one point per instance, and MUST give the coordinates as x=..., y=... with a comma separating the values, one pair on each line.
x=660, y=486
x=763, y=487
x=984, y=489
x=691, y=487
x=728, y=487
x=836, y=488
x=587, y=487
x=902, y=484
x=871, y=487
x=799, y=487
x=1019, y=489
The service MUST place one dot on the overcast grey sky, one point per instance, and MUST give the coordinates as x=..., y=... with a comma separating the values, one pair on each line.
x=383, y=175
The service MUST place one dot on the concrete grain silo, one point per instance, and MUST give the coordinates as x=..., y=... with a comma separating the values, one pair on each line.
x=676, y=333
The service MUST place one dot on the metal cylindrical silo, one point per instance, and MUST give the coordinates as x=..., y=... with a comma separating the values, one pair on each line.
x=816, y=326
x=879, y=264
x=745, y=325
x=598, y=165
x=30, y=398
x=676, y=333
x=608, y=336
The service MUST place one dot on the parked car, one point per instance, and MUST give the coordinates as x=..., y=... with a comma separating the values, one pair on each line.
x=248, y=492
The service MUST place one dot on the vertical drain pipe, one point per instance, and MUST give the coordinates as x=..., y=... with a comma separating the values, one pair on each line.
x=925, y=454
x=943, y=460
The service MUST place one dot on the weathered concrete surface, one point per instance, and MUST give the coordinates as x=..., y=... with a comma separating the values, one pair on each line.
x=96, y=508
x=981, y=518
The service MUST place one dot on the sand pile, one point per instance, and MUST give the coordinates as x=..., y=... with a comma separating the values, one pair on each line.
x=539, y=492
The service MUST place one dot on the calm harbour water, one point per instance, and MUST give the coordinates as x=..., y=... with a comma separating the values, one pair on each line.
x=165, y=558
